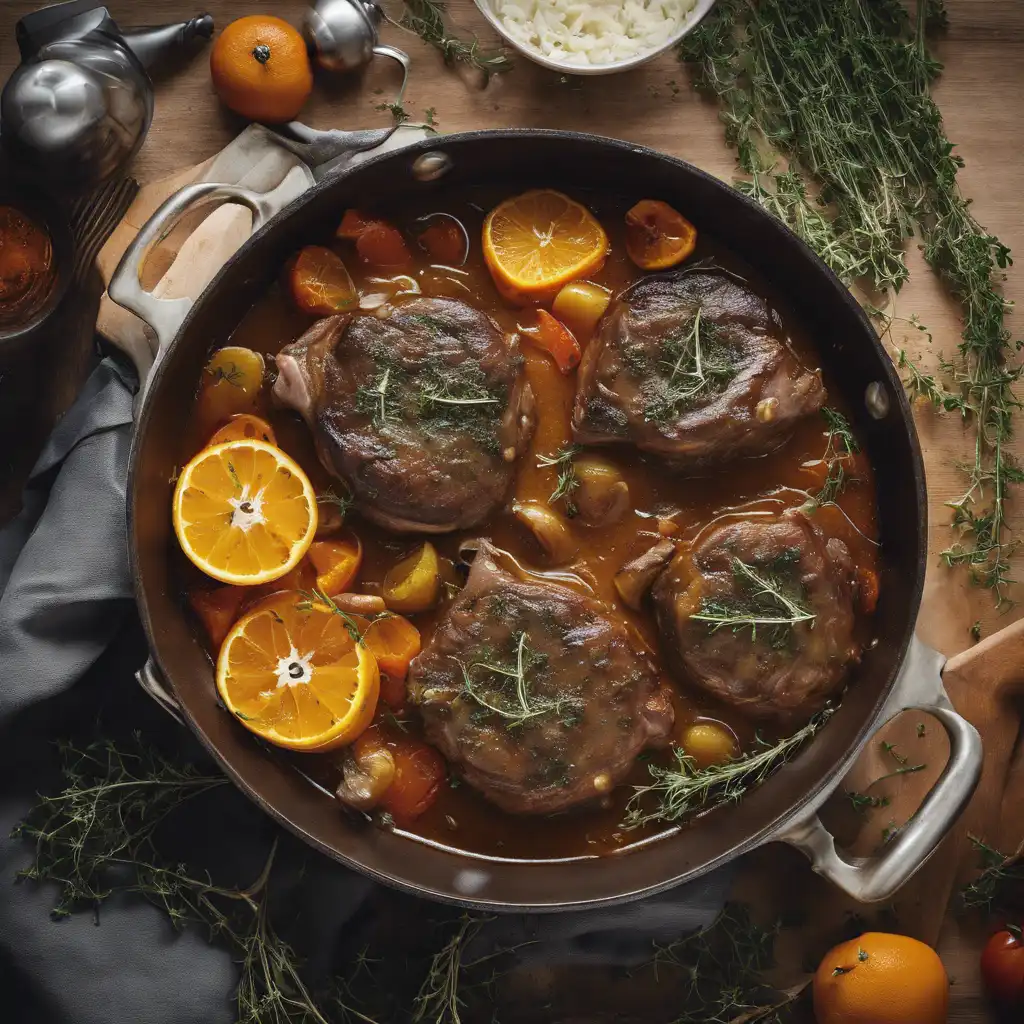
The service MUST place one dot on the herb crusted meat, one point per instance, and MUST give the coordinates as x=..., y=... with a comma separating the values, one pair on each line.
x=760, y=614
x=539, y=697
x=421, y=412
x=692, y=365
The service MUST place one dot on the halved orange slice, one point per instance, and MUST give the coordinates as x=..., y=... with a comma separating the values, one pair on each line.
x=244, y=512
x=538, y=241
x=241, y=426
x=294, y=672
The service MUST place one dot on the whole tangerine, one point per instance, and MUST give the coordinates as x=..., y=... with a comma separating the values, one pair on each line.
x=881, y=979
x=261, y=70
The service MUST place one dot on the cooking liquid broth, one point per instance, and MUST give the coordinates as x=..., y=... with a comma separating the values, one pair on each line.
x=461, y=819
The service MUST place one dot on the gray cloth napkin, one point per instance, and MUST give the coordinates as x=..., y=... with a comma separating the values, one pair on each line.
x=65, y=595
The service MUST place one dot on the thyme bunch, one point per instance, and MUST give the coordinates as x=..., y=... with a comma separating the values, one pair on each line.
x=840, y=91
x=684, y=788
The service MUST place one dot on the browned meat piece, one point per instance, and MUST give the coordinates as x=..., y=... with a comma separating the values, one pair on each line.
x=535, y=692
x=422, y=413
x=692, y=365
x=760, y=614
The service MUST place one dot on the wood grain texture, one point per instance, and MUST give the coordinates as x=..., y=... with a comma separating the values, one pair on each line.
x=983, y=54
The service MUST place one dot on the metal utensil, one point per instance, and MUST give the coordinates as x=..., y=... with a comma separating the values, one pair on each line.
x=343, y=37
x=80, y=104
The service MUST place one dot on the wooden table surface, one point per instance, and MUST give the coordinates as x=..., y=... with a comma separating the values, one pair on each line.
x=983, y=54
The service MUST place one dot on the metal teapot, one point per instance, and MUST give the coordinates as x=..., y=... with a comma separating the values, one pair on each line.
x=78, y=107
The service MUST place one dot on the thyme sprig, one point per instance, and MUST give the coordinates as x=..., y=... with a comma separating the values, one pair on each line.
x=763, y=603
x=522, y=704
x=840, y=447
x=426, y=18
x=721, y=970
x=681, y=790
x=314, y=597
x=840, y=91
x=1000, y=885
x=568, y=481
x=698, y=364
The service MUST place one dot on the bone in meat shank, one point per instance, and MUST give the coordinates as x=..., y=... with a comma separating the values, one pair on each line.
x=769, y=668
x=421, y=413
x=538, y=695
x=691, y=365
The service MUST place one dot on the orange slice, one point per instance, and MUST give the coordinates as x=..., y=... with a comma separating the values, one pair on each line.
x=536, y=242
x=292, y=672
x=658, y=236
x=241, y=426
x=244, y=512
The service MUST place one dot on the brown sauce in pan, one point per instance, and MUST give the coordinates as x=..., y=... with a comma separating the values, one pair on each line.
x=461, y=819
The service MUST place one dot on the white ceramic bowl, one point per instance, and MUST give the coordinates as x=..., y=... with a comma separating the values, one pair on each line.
x=692, y=20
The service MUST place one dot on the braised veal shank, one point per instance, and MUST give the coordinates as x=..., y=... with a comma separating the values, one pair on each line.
x=421, y=412
x=760, y=614
x=692, y=365
x=537, y=694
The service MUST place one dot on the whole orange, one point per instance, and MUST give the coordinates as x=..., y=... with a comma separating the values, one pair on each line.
x=881, y=979
x=261, y=68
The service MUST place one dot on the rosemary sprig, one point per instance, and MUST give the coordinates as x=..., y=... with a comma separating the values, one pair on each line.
x=764, y=603
x=426, y=18
x=685, y=788
x=522, y=704
x=841, y=90
x=562, y=460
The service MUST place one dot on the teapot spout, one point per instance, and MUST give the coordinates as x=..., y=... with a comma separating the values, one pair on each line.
x=157, y=44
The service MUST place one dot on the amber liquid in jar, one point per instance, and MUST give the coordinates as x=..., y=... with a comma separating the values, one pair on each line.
x=27, y=270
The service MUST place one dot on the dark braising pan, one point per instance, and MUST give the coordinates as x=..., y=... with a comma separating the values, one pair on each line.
x=897, y=672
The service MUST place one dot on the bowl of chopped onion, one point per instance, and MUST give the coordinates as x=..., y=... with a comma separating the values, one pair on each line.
x=593, y=37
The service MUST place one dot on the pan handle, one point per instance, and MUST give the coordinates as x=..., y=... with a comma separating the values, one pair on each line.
x=165, y=316
x=151, y=680
x=872, y=879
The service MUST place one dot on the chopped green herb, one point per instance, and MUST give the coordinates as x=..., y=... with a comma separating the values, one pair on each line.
x=976, y=631
x=863, y=802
